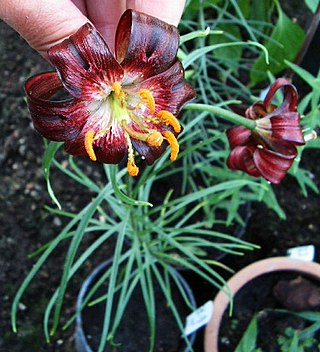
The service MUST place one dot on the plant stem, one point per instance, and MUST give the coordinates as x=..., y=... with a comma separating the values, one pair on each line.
x=223, y=113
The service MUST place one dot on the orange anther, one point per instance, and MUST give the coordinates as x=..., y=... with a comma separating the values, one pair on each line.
x=133, y=169
x=88, y=144
x=148, y=98
x=155, y=139
x=168, y=119
x=174, y=145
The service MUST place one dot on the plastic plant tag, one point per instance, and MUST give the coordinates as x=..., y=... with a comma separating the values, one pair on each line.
x=199, y=318
x=303, y=252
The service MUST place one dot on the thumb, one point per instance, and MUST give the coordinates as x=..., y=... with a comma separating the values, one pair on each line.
x=42, y=23
x=167, y=10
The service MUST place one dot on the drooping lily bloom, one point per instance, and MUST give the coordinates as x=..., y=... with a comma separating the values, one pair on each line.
x=270, y=149
x=118, y=103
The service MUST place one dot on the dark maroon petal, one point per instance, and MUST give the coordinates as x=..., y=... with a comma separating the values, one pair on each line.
x=256, y=111
x=85, y=64
x=287, y=127
x=241, y=158
x=169, y=89
x=150, y=154
x=274, y=166
x=290, y=101
x=238, y=135
x=110, y=149
x=145, y=45
x=54, y=120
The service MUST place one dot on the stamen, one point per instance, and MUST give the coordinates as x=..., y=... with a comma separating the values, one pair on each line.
x=148, y=98
x=133, y=169
x=119, y=93
x=88, y=144
x=167, y=118
x=152, y=137
x=155, y=139
x=174, y=145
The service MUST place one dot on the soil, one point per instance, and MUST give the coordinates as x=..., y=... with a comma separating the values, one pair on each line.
x=258, y=298
x=25, y=224
x=168, y=335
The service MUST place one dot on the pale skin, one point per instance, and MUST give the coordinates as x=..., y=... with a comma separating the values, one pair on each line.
x=44, y=23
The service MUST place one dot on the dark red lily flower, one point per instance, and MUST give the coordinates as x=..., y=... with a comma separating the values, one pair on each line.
x=118, y=103
x=270, y=149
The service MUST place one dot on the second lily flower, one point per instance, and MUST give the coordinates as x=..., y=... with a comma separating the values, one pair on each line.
x=270, y=148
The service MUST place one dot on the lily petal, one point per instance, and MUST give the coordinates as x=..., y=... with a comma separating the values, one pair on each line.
x=54, y=120
x=273, y=166
x=109, y=149
x=241, y=158
x=149, y=153
x=238, y=135
x=85, y=63
x=169, y=89
x=287, y=127
x=143, y=56
x=290, y=101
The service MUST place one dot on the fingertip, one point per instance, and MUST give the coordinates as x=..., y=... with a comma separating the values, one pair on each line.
x=43, y=23
x=166, y=10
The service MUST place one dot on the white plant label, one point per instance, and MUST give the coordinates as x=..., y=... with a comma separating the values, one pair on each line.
x=199, y=318
x=303, y=252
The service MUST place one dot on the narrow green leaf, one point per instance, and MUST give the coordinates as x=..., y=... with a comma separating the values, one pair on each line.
x=229, y=55
x=249, y=339
x=305, y=75
x=48, y=158
x=165, y=286
x=112, y=285
x=74, y=245
x=197, y=34
x=198, y=53
x=294, y=346
x=120, y=195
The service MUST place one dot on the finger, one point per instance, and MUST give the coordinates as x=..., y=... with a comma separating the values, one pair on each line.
x=167, y=10
x=42, y=23
x=105, y=15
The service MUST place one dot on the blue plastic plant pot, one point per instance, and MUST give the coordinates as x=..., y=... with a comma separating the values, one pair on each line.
x=86, y=341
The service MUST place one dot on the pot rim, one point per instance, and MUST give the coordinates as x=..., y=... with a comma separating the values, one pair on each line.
x=241, y=278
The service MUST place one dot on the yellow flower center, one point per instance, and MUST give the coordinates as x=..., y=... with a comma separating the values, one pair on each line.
x=136, y=122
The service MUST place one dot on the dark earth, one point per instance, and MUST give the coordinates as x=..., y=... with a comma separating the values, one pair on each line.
x=25, y=224
x=259, y=298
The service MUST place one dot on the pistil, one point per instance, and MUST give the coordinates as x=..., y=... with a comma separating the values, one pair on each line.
x=118, y=91
x=133, y=169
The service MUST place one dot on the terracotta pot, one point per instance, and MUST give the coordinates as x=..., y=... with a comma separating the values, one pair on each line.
x=252, y=271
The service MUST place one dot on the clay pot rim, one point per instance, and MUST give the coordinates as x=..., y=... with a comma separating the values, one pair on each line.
x=241, y=278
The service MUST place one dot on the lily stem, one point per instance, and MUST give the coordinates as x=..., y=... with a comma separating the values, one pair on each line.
x=224, y=114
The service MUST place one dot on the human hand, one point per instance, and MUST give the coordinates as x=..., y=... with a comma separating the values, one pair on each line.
x=44, y=23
